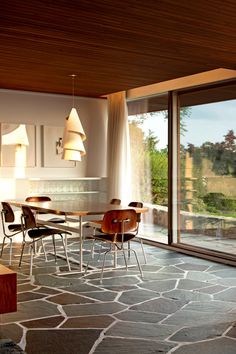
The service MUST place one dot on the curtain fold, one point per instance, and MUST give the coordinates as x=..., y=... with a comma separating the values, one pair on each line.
x=118, y=164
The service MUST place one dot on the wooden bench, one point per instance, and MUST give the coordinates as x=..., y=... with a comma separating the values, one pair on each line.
x=8, y=297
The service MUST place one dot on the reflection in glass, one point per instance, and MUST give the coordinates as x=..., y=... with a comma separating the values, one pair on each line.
x=207, y=189
x=148, y=127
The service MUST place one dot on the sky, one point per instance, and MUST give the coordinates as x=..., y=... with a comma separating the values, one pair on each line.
x=207, y=122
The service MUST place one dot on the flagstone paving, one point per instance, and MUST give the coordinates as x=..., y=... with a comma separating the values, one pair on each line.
x=183, y=305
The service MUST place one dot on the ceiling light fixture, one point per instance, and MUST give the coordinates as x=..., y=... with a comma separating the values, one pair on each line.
x=74, y=135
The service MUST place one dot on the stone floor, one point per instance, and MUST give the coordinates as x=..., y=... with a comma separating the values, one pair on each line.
x=183, y=305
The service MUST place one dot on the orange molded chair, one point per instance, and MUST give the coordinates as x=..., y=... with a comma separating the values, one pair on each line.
x=118, y=227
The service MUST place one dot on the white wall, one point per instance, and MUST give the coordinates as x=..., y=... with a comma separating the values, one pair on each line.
x=48, y=109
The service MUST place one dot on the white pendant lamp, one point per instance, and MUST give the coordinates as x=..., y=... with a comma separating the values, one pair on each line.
x=16, y=137
x=73, y=137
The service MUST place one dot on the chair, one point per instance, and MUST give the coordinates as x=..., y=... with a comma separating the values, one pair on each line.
x=29, y=227
x=139, y=205
x=115, y=201
x=42, y=198
x=118, y=227
x=8, y=218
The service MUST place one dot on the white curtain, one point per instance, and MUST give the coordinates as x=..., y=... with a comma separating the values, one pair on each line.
x=119, y=167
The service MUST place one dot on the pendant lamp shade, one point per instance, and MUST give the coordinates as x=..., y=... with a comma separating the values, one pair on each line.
x=16, y=137
x=74, y=125
x=73, y=147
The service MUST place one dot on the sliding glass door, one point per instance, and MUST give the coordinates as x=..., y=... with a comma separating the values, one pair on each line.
x=148, y=127
x=207, y=169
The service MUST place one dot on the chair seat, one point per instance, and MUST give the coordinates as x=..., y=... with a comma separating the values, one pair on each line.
x=14, y=227
x=37, y=233
x=57, y=220
x=114, y=237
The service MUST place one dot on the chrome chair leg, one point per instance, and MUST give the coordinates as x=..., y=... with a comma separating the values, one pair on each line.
x=126, y=264
x=65, y=251
x=3, y=243
x=89, y=259
x=10, y=258
x=44, y=251
x=54, y=247
x=144, y=254
x=138, y=263
x=22, y=252
x=31, y=259
x=103, y=264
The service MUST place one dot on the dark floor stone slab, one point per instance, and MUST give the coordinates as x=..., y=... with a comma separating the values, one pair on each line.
x=232, y=332
x=28, y=296
x=67, y=298
x=140, y=316
x=12, y=331
x=111, y=274
x=124, y=346
x=48, y=291
x=172, y=270
x=169, y=255
x=140, y=330
x=192, y=266
x=185, y=318
x=213, y=289
x=161, y=305
x=60, y=341
x=203, y=332
x=201, y=276
x=150, y=268
x=45, y=270
x=226, y=273
x=25, y=287
x=49, y=322
x=186, y=295
x=29, y=310
x=218, y=267
x=102, y=295
x=82, y=288
x=22, y=281
x=226, y=282
x=188, y=284
x=166, y=261
x=88, y=322
x=136, y=296
x=226, y=295
x=119, y=288
x=7, y=346
x=105, y=308
x=217, y=346
x=125, y=280
x=162, y=276
x=210, y=306
x=55, y=282
x=159, y=285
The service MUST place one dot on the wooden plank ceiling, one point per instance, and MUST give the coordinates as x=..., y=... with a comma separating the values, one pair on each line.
x=112, y=45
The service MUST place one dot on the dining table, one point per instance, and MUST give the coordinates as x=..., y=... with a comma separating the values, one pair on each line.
x=73, y=212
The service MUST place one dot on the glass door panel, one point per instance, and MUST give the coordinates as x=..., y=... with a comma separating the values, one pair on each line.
x=207, y=169
x=148, y=126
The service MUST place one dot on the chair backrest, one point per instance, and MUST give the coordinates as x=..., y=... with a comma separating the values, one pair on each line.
x=137, y=205
x=118, y=221
x=28, y=218
x=38, y=198
x=7, y=212
x=115, y=201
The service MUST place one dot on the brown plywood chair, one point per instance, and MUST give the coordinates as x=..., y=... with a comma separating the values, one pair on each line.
x=118, y=228
x=9, y=227
x=35, y=234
